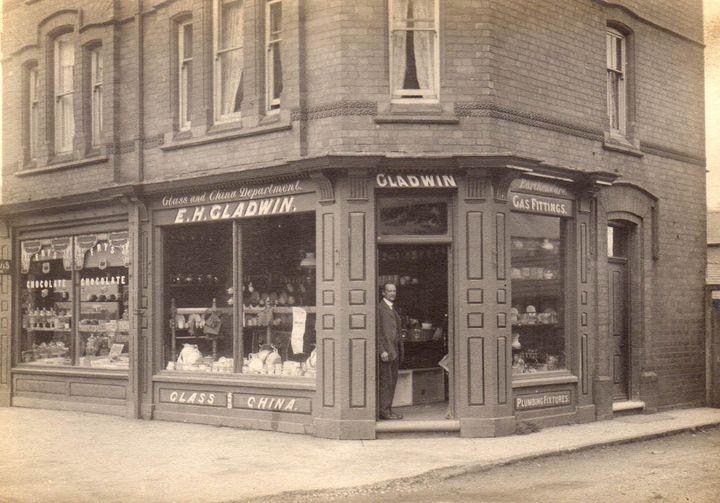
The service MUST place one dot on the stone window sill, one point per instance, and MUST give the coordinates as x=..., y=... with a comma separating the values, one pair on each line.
x=61, y=166
x=226, y=132
x=619, y=144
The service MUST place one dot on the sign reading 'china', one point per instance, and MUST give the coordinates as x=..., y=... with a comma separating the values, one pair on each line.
x=428, y=181
x=542, y=205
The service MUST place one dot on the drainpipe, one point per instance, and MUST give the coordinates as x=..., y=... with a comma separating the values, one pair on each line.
x=139, y=147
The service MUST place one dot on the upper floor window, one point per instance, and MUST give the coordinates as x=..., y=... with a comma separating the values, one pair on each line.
x=185, y=55
x=273, y=64
x=64, y=64
x=96, y=89
x=33, y=111
x=414, y=50
x=616, y=81
x=228, y=61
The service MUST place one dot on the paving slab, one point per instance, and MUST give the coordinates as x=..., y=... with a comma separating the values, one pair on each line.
x=61, y=456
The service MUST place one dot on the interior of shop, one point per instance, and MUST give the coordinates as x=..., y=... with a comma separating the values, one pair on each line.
x=420, y=273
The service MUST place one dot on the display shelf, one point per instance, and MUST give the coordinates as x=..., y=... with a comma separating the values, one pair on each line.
x=38, y=329
x=537, y=325
x=277, y=309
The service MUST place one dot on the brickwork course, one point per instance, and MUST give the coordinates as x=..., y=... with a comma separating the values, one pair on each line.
x=525, y=78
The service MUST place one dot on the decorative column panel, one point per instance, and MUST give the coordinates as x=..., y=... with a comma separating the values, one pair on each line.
x=345, y=398
x=140, y=368
x=483, y=385
x=586, y=256
x=5, y=315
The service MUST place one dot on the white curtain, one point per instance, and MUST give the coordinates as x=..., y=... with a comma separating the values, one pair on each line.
x=399, y=43
x=424, y=13
x=231, y=62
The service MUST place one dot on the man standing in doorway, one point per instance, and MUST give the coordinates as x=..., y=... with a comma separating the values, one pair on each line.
x=388, y=343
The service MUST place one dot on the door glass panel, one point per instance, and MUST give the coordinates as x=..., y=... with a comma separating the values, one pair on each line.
x=403, y=216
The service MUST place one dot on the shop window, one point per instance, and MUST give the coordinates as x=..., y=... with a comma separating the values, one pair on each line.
x=32, y=110
x=414, y=50
x=273, y=62
x=184, y=78
x=64, y=64
x=96, y=94
x=412, y=216
x=228, y=53
x=538, y=295
x=616, y=81
x=278, y=296
x=199, y=297
x=104, y=325
x=86, y=274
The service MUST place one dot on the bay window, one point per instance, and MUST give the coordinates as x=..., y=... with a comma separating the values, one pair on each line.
x=228, y=57
x=414, y=49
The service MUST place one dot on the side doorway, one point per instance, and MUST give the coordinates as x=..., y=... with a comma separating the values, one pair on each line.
x=619, y=309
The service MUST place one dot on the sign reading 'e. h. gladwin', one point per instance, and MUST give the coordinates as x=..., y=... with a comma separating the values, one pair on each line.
x=428, y=181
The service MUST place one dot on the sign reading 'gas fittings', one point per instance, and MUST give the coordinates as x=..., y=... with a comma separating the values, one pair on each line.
x=427, y=181
x=543, y=400
x=5, y=267
x=272, y=403
x=194, y=397
x=541, y=205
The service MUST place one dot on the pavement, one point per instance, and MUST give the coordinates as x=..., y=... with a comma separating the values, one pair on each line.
x=61, y=456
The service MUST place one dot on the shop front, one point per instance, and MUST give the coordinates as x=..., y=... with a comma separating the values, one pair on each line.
x=252, y=303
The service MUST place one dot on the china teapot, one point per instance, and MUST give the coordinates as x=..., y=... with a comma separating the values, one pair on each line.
x=189, y=355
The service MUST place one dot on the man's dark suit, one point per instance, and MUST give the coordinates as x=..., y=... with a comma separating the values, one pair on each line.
x=388, y=340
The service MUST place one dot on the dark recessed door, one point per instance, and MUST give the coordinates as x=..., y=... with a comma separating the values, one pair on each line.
x=617, y=283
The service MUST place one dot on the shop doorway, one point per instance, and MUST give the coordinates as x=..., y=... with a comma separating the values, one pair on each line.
x=421, y=274
x=619, y=312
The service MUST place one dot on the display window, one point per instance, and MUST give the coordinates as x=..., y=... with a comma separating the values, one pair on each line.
x=199, y=297
x=412, y=216
x=274, y=297
x=537, y=315
x=278, y=296
x=85, y=276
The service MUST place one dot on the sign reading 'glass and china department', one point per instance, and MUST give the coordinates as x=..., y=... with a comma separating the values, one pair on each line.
x=236, y=203
x=543, y=400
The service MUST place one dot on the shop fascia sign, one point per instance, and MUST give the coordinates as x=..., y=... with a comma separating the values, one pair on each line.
x=230, y=400
x=231, y=204
x=541, y=197
x=415, y=181
x=543, y=400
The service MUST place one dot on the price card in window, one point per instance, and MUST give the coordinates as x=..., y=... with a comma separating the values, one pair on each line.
x=298, y=329
x=116, y=350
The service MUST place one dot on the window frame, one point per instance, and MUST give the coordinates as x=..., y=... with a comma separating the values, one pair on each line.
x=616, y=41
x=217, y=66
x=272, y=105
x=411, y=95
x=96, y=94
x=32, y=109
x=184, y=75
x=61, y=96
